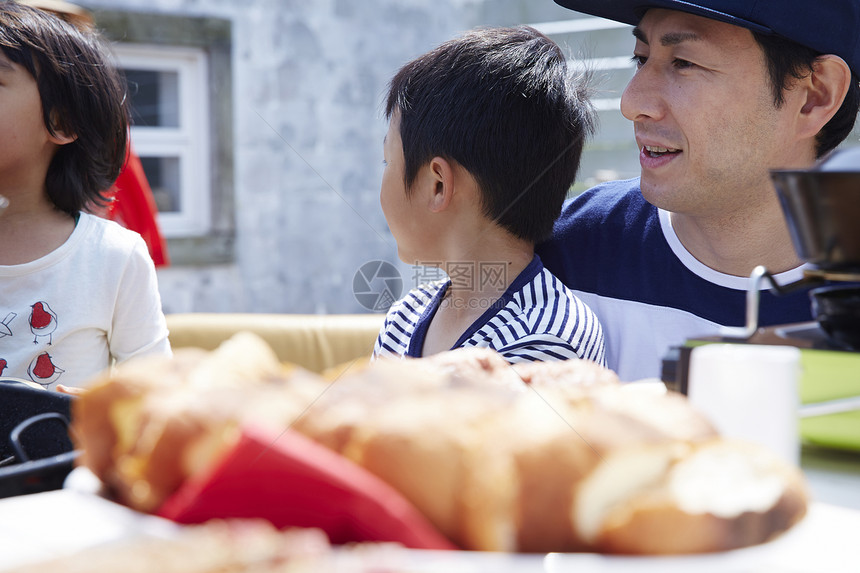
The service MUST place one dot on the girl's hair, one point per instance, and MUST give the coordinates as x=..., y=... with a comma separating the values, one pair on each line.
x=82, y=95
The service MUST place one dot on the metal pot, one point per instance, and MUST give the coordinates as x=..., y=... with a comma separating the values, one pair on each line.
x=837, y=309
x=822, y=209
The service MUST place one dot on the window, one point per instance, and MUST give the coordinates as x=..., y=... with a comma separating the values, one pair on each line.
x=603, y=47
x=180, y=73
x=167, y=87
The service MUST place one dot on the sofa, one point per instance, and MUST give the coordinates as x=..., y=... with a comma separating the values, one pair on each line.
x=313, y=341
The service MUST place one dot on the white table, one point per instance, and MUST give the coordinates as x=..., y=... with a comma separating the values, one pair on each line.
x=52, y=524
x=833, y=476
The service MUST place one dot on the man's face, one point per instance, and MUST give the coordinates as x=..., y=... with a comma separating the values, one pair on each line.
x=704, y=116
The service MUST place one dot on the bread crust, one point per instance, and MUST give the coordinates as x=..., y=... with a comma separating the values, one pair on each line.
x=658, y=518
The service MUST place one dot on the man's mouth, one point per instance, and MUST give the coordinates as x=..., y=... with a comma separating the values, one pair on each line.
x=656, y=151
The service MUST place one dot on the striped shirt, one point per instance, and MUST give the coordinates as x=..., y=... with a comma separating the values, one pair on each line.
x=536, y=319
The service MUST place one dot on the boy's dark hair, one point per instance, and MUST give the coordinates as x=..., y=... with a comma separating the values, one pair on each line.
x=500, y=103
x=788, y=61
x=82, y=95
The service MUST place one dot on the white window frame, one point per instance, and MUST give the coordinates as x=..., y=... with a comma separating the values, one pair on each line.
x=189, y=142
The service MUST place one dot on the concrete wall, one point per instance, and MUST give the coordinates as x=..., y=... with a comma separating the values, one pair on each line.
x=308, y=80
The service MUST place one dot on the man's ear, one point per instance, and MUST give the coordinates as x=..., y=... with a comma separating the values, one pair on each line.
x=442, y=172
x=825, y=90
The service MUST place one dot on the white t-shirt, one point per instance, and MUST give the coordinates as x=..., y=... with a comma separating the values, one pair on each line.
x=74, y=312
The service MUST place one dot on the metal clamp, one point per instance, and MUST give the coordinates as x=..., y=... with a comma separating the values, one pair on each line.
x=759, y=274
x=753, y=298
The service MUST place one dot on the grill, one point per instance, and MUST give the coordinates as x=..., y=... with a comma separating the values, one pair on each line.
x=36, y=453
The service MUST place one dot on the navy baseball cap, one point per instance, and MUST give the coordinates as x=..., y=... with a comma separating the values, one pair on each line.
x=826, y=26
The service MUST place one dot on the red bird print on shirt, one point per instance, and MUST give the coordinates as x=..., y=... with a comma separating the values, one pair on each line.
x=43, y=371
x=43, y=322
x=3, y=365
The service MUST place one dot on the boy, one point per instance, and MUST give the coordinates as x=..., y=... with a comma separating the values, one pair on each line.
x=77, y=292
x=484, y=140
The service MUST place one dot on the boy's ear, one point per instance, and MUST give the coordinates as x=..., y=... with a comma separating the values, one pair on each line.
x=825, y=89
x=442, y=173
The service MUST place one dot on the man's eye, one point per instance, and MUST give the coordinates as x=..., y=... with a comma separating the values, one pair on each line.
x=639, y=61
x=682, y=64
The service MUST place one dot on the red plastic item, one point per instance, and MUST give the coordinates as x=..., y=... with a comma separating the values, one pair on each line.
x=134, y=207
x=292, y=481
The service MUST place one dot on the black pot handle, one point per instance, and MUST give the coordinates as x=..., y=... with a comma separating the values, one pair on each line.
x=15, y=435
x=807, y=281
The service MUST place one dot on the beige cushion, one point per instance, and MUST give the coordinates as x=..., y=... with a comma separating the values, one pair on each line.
x=314, y=341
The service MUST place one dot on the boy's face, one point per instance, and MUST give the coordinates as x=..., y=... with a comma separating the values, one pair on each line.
x=26, y=147
x=400, y=212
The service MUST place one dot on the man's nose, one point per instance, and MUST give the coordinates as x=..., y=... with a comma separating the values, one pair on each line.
x=642, y=98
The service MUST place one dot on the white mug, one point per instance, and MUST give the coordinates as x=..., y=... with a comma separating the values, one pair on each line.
x=749, y=392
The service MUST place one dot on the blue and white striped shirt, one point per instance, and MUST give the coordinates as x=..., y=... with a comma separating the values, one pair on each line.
x=536, y=319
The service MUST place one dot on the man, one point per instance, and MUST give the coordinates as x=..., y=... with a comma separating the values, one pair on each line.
x=724, y=91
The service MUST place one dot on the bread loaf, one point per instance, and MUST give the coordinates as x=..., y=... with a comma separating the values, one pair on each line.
x=688, y=498
x=153, y=422
x=534, y=458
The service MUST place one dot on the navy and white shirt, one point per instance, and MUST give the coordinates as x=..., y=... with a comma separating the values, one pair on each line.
x=536, y=319
x=620, y=254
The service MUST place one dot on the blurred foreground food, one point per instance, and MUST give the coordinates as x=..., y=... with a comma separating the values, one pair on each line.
x=247, y=546
x=534, y=458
